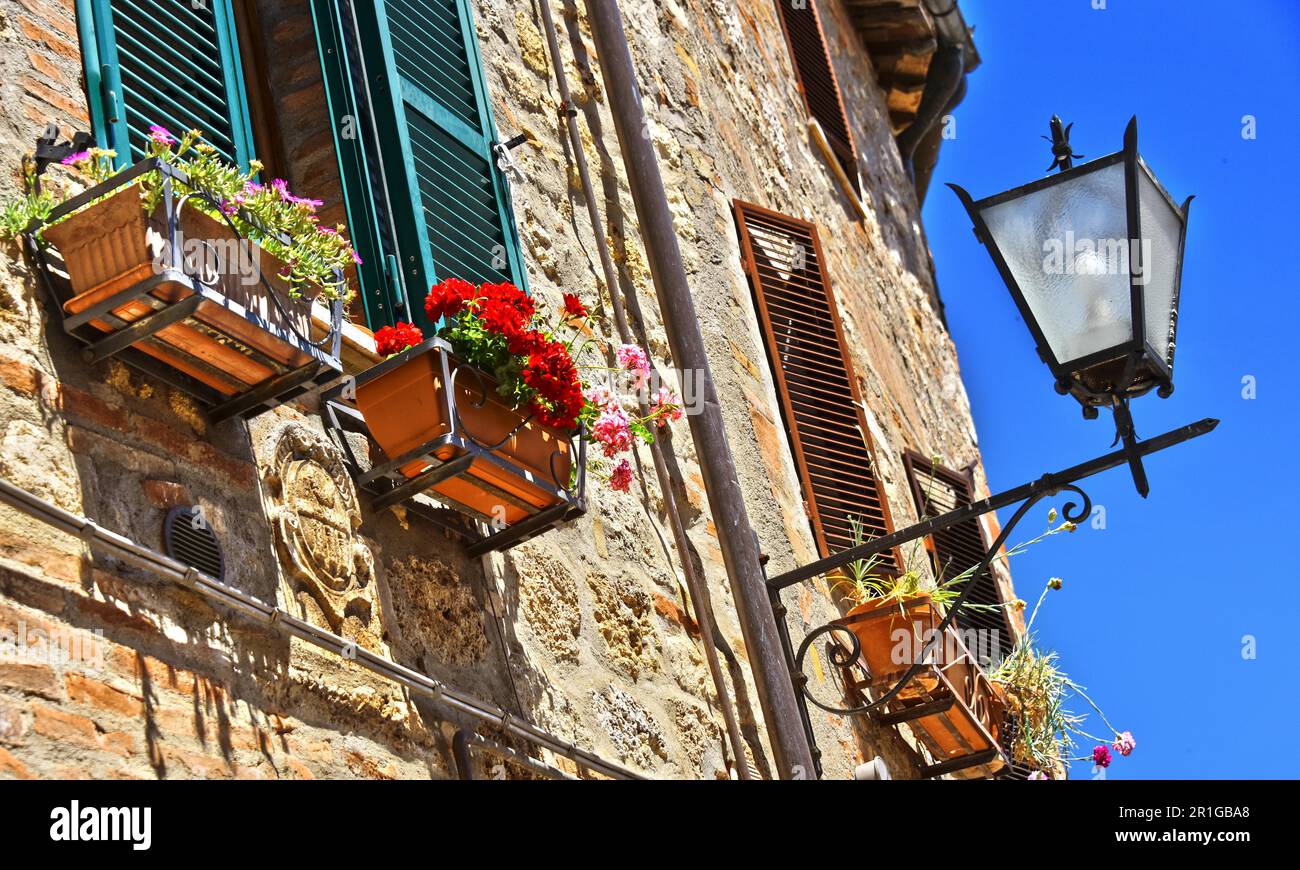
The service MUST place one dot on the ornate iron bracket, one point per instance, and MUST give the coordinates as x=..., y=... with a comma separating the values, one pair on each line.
x=49, y=150
x=1027, y=495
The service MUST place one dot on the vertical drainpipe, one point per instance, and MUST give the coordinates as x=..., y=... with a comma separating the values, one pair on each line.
x=735, y=534
x=697, y=585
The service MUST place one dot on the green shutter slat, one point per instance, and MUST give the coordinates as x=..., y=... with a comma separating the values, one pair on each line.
x=183, y=107
x=442, y=72
x=179, y=67
x=166, y=12
x=439, y=39
x=163, y=52
x=459, y=201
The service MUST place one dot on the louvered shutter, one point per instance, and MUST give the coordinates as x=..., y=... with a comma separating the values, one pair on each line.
x=818, y=392
x=380, y=297
x=451, y=209
x=937, y=491
x=172, y=63
x=817, y=82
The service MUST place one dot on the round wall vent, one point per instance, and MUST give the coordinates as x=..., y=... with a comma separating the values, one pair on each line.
x=189, y=539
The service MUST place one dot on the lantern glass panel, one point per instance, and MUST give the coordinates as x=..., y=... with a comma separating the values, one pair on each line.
x=1162, y=229
x=1067, y=247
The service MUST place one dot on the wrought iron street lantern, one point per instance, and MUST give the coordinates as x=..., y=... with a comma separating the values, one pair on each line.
x=1093, y=257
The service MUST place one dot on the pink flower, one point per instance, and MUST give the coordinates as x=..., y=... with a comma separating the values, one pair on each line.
x=77, y=157
x=634, y=359
x=1038, y=774
x=611, y=430
x=1101, y=756
x=602, y=397
x=1124, y=744
x=666, y=407
x=161, y=135
x=621, y=478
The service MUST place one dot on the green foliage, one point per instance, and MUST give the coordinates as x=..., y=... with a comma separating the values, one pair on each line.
x=18, y=214
x=1036, y=689
x=284, y=225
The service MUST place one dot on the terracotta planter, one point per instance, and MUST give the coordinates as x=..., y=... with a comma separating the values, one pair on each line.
x=971, y=725
x=407, y=407
x=112, y=245
x=891, y=638
x=877, y=625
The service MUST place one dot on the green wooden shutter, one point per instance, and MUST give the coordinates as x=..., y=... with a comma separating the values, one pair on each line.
x=369, y=228
x=449, y=202
x=173, y=63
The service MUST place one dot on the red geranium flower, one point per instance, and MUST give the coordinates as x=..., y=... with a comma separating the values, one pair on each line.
x=397, y=338
x=550, y=371
x=447, y=298
x=526, y=343
x=573, y=307
x=506, y=293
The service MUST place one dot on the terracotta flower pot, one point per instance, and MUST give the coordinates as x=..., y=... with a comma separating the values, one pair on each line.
x=111, y=245
x=406, y=407
x=890, y=636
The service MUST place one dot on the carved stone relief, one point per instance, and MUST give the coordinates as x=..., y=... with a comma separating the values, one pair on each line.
x=314, y=513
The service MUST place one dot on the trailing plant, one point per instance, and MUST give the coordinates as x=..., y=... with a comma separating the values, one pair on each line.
x=285, y=225
x=1038, y=693
x=538, y=363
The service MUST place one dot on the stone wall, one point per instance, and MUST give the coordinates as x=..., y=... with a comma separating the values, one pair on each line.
x=587, y=630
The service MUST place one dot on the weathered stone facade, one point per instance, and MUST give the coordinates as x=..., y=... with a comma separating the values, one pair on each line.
x=585, y=631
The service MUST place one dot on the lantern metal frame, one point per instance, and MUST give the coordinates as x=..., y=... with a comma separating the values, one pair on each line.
x=1132, y=368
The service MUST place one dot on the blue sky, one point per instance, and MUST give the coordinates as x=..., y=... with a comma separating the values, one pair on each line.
x=1156, y=604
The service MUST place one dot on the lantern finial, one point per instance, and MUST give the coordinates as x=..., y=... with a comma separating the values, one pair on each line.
x=1061, y=149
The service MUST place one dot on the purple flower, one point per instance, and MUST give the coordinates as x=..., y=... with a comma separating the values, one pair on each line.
x=161, y=135
x=1124, y=744
x=356, y=258
x=1038, y=774
x=76, y=158
x=1101, y=756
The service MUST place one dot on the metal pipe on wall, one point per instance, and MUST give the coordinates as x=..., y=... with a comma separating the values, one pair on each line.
x=736, y=535
x=694, y=582
x=150, y=560
x=464, y=745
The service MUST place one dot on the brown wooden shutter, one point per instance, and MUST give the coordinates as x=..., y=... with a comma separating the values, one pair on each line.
x=815, y=383
x=817, y=82
x=938, y=490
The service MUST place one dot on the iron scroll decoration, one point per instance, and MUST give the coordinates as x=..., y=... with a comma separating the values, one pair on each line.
x=843, y=658
x=270, y=290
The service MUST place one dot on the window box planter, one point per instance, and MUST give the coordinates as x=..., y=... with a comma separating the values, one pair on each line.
x=950, y=705
x=181, y=295
x=441, y=429
x=877, y=623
